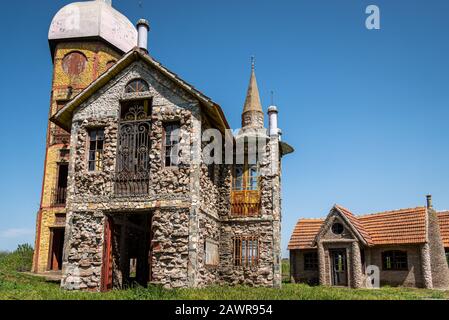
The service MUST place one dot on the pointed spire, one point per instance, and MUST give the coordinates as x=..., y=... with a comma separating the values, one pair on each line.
x=252, y=102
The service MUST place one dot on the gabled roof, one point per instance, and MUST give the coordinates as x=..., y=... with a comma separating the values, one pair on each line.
x=443, y=219
x=356, y=224
x=63, y=118
x=405, y=226
x=397, y=227
x=304, y=233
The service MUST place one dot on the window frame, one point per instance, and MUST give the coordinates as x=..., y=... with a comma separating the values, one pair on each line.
x=128, y=86
x=89, y=144
x=394, y=264
x=248, y=258
x=165, y=125
x=311, y=261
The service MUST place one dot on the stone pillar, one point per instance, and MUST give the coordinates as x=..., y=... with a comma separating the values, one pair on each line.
x=356, y=266
x=426, y=266
x=276, y=213
x=321, y=264
x=195, y=172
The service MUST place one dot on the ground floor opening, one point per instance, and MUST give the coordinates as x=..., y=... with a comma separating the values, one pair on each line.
x=56, y=249
x=127, y=251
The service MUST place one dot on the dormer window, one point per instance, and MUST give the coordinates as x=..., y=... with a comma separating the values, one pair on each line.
x=138, y=85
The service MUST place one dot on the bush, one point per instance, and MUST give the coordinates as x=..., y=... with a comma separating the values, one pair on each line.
x=20, y=260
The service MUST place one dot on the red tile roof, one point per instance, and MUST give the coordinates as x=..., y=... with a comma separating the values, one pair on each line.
x=405, y=226
x=304, y=233
x=443, y=219
x=357, y=224
x=396, y=227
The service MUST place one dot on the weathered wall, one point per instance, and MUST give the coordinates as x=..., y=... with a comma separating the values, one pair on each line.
x=98, y=56
x=409, y=278
x=297, y=271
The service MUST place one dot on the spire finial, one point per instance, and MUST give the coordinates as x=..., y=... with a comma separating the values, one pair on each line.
x=272, y=97
x=253, y=62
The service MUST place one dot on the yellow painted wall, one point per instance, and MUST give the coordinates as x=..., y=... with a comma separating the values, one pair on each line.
x=98, y=56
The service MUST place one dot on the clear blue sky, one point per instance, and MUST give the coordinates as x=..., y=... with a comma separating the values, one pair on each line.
x=367, y=111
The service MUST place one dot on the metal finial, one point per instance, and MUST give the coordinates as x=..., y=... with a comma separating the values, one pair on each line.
x=272, y=97
x=253, y=62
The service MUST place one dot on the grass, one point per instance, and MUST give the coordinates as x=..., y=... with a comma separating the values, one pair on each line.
x=18, y=286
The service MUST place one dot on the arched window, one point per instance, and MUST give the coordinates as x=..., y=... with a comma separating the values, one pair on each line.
x=137, y=85
x=74, y=63
x=394, y=260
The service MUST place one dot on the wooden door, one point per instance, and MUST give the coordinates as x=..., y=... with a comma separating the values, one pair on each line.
x=107, y=266
x=339, y=267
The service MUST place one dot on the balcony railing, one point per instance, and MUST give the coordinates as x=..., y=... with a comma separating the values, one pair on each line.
x=245, y=203
x=131, y=186
x=59, y=136
x=59, y=196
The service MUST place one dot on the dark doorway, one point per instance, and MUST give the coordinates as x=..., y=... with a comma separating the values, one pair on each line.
x=56, y=249
x=339, y=267
x=127, y=254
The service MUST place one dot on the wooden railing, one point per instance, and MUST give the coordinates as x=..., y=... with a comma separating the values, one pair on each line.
x=245, y=203
x=59, y=196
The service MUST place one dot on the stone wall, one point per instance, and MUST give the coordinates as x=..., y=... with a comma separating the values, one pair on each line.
x=438, y=262
x=297, y=271
x=84, y=251
x=261, y=275
x=170, y=247
x=413, y=277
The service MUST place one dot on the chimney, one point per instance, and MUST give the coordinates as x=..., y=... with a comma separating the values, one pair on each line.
x=429, y=201
x=143, y=27
x=273, y=121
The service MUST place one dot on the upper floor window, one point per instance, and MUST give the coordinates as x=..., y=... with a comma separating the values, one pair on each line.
x=394, y=260
x=246, y=251
x=171, y=144
x=96, y=145
x=311, y=261
x=137, y=85
x=246, y=177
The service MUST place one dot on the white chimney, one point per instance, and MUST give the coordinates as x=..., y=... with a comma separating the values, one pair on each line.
x=143, y=27
x=273, y=120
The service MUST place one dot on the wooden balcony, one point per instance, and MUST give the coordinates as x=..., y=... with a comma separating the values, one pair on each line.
x=245, y=203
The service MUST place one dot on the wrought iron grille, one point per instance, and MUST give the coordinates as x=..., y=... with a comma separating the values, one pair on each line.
x=132, y=176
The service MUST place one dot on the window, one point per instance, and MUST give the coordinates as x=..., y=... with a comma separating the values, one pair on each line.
x=171, y=141
x=211, y=253
x=246, y=177
x=246, y=251
x=447, y=256
x=137, y=85
x=60, y=192
x=96, y=144
x=311, y=261
x=337, y=228
x=134, y=145
x=394, y=260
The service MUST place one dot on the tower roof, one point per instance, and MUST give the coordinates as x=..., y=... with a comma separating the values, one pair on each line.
x=252, y=102
x=93, y=19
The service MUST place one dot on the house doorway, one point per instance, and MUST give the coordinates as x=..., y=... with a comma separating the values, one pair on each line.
x=339, y=267
x=56, y=249
x=127, y=254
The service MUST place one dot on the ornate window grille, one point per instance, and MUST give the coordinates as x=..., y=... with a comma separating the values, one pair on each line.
x=133, y=161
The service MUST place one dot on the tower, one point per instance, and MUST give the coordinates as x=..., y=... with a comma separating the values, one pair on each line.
x=86, y=39
x=252, y=116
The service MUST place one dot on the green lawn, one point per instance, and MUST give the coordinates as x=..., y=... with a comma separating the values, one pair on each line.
x=18, y=286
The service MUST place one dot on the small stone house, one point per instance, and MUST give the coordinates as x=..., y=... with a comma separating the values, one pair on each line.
x=141, y=203
x=409, y=247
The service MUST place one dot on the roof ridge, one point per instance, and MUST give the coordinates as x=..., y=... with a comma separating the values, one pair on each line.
x=390, y=211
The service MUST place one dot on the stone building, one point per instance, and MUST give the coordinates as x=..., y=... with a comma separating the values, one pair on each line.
x=142, y=202
x=407, y=247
